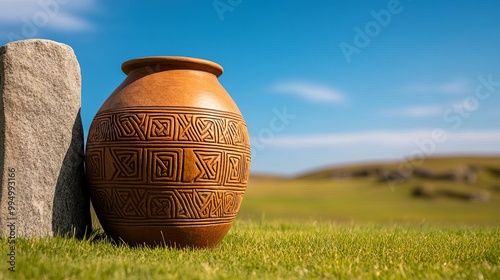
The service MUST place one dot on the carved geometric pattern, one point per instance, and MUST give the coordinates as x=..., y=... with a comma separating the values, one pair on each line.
x=161, y=205
x=130, y=202
x=161, y=128
x=103, y=201
x=170, y=124
x=207, y=129
x=235, y=168
x=131, y=126
x=232, y=202
x=246, y=170
x=102, y=131
x=96, y=169
x=175, y=164
x=166, y=164
x=186, y=129
x=237, y=137
x=184, y=146
x=178, y=206
x=209, y=164
x=127, y=163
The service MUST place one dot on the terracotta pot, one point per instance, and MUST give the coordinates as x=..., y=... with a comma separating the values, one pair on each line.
x=168, y=155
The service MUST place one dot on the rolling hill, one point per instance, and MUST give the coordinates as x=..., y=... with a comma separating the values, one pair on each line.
x=440, y=190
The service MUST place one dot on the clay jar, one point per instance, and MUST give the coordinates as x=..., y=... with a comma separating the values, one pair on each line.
x=168, y=155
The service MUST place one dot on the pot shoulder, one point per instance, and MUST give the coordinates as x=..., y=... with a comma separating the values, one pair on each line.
x=175, y=88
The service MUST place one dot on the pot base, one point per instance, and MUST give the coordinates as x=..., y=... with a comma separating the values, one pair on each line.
x=170, y=236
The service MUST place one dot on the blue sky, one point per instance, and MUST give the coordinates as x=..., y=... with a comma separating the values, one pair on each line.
x=319, y=83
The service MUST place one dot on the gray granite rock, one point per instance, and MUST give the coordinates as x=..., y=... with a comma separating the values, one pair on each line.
x=41, y=141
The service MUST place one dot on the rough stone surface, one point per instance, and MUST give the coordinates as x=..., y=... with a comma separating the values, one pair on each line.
x=41, y=137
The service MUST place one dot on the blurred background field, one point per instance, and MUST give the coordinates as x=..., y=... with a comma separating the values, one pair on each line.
x=439, y=191
x=440, y=221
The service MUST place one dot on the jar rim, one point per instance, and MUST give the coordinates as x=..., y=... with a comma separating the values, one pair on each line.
x=161, y=63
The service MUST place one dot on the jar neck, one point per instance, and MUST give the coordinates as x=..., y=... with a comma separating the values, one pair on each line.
x=151, y=65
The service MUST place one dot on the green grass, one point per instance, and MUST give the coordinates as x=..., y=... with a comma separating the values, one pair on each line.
x=311, y=227
x=276, y=250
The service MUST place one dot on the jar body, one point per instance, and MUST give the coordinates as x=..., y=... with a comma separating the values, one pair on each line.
x=168, y=156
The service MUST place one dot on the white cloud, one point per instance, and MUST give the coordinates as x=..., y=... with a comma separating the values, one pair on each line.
x=451, y=87
x=69, y=23
x=454, y=140
x=65, y=15
x=416, y=111
x=294, y=154
x=309, y=91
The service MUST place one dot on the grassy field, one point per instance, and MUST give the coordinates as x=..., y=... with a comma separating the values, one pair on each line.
x=311, y=227
x=254, y=250
x=363, y=200
x=316, y=196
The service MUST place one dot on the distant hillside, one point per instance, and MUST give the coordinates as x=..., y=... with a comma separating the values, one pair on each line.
x=463, y=169
x=444, y=190
x=266, y=177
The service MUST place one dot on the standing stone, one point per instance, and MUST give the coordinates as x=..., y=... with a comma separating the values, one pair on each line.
x=41, y=141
